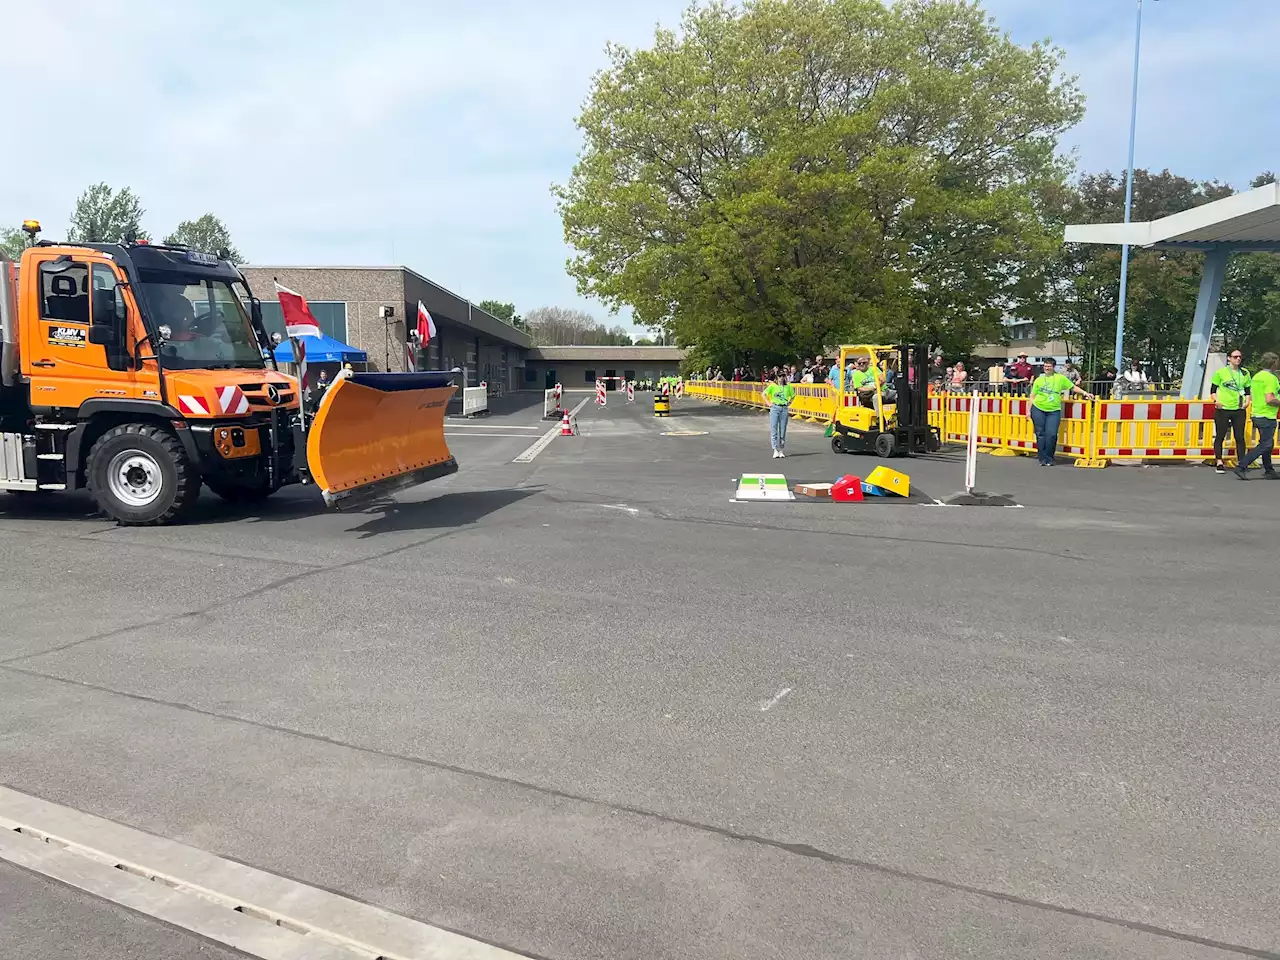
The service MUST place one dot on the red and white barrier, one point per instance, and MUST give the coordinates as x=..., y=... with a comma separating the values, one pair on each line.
x=631, y=392
x=601, y=397
x=679, y=389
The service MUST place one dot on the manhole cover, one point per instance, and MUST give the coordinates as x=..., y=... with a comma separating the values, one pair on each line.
x=685, y=433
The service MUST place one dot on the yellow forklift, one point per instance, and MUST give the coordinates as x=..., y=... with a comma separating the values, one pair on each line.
x=879, y=414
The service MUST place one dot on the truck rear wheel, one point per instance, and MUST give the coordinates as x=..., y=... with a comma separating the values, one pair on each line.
x=139, y=475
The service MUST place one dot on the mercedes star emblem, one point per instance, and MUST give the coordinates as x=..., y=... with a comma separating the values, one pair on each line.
x=272, y=393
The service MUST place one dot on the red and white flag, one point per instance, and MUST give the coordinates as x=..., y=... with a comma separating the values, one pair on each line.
x=298, y=319
x=426, y=326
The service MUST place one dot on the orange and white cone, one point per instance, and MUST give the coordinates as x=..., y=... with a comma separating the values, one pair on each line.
x=566, y=426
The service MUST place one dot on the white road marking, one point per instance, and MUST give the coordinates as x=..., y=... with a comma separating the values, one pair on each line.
x=259, y=913
x=621, y=506
x=543, y=441
x=773, y=701
x=463, y=433
x=464, y=425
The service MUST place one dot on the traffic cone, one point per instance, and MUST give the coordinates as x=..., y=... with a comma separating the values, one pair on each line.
x=566, y=426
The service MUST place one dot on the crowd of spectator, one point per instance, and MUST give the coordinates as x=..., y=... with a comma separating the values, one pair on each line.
x=1014, y=377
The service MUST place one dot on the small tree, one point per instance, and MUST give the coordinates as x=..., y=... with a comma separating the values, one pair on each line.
x=12, y=242
x=206, y=233
x=103, y=215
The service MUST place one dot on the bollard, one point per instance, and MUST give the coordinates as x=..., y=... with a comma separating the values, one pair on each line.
x=661, y=405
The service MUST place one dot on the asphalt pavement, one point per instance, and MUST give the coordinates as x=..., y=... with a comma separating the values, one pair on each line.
x=587, y=706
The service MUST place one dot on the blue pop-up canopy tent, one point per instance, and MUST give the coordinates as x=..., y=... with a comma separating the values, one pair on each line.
x=322, y=349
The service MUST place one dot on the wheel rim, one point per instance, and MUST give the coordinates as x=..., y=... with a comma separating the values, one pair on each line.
x=135, y=478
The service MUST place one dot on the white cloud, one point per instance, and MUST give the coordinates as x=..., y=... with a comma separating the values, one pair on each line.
x=429, y=133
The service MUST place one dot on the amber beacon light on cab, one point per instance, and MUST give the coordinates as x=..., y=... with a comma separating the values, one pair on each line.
x=142, y=371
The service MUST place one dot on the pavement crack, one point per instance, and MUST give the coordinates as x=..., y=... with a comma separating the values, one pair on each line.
x=258, y=591
x=805, y=850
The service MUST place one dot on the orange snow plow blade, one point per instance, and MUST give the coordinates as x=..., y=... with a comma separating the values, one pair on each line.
x=378, y=432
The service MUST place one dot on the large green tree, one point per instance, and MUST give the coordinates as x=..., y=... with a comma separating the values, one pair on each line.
x=104, y=215
x=776, y=177
x=207, y=233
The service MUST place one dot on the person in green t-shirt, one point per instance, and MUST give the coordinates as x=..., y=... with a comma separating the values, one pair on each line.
x=779, y=394
x=1047, y=391
x=863, y=382
x=1264, y=389
x=1230, y=391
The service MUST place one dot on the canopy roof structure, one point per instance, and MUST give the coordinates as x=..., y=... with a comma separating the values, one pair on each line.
x=322, y=349
x=1244, y=223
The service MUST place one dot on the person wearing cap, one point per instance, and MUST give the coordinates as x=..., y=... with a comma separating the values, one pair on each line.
x=1264, y=389
x=1020, y=374
x=778, y=395
x=1047, y=392
x=1230, y=391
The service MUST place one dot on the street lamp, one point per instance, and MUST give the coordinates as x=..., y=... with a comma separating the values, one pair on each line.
x=1128, y=193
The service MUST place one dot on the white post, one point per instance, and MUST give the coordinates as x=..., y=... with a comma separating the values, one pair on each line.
x=971, y=454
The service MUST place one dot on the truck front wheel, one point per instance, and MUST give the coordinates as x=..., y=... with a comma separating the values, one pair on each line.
x=139, y=475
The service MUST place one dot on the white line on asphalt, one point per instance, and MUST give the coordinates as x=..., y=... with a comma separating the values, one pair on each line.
x=541, y=443
x=488, y=426
x=623, y=507
x=773, y=701
x=259, y=913
x=457, y=433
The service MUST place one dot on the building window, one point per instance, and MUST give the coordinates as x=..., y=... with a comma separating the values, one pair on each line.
x=589, y=376
x=530, y=375
x=330, y=314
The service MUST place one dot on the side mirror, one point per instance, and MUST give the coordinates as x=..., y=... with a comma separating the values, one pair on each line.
x=102, y=334
x=276, y=339
x=105, y=304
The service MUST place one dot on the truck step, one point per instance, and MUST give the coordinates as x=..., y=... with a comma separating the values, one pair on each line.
x=51, y=456
x=53, y=486
x=17, y=484
x=55, y=426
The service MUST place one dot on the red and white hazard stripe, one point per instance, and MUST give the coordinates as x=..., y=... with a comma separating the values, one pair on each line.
x=232, y=400
x=192, y=406
x=1154, y=410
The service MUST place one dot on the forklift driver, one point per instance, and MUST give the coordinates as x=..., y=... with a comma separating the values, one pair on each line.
x=863, y=382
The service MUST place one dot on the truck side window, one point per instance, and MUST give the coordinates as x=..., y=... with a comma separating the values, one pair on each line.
x=108, y=309
x=65, y=295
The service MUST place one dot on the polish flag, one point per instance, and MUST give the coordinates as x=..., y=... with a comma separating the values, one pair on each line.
x=426, y=326
x=298, y=320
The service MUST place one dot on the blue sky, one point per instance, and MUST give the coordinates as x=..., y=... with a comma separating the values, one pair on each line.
x=428, y=133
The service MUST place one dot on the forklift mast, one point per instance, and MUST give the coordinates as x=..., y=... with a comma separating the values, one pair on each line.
x=913, y=384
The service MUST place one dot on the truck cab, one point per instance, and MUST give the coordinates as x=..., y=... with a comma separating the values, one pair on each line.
x=140, y=372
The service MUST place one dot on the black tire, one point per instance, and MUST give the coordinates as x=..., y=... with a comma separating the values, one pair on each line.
x=932, y=444
x=171, y=482
x=236, y=493
x=837, y=443
x=886, y=445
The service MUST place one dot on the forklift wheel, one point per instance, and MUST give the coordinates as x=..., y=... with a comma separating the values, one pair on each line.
x=886, y=445
x=837, y=443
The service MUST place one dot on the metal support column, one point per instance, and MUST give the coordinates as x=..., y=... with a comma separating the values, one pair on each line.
x=1215, y=270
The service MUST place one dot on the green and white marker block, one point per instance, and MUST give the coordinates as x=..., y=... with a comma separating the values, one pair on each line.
x=764, y=486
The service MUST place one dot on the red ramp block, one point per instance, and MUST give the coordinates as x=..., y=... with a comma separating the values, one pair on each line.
x=847, y=489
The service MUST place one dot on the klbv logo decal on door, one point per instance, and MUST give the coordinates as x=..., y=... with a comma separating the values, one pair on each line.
x=68, y=336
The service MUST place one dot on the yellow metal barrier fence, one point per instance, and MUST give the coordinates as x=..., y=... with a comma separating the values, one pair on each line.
x=1095, y=432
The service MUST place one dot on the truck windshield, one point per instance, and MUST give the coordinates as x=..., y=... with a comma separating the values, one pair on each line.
x=208, y=323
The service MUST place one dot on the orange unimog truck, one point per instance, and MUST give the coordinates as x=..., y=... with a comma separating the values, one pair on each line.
x=142, y=371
